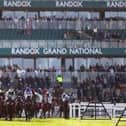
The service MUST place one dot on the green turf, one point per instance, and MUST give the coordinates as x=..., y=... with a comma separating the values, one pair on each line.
x=60, y=122
x=57, y=122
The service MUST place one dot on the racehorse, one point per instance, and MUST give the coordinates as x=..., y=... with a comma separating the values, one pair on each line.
x=47, y=105
x=9, y=109
x=28, y=108
x=2, y=109
x=19, y=105
x=35, y=107
x=61, y=108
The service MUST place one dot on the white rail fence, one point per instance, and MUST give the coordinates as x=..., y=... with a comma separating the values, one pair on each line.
x=114, y=110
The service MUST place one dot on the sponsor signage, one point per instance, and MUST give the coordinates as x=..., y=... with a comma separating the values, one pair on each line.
x=69, y=4
x=17, y=3
x=56, y=51
x=68, y=51
x=80, y=4
x=25, y=51
x=52, y=4
x=62, y=51
x=72, y=51
x=116, y=4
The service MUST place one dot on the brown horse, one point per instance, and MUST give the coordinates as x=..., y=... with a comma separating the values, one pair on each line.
x=2, y=108
x=19, y=105
x=9, y=109
x=61, y=107
x=46, y=107
x=28, y=108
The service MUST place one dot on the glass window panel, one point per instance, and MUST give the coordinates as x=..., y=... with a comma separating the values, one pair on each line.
x=56, y=62
x=115, y=14
x=18, y=61
x=28, y=63
x=68, y=62
x=79, y=62
x=4, y=61
x=42, y=63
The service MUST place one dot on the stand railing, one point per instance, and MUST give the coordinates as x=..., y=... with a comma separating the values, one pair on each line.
x=114, y=110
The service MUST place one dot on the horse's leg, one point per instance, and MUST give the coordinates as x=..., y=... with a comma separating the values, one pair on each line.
x=49, y=110
x=48, y=113
x=44, y=110
x=36, y=112
x=57, y=112
x=44, y=114
x=19, y=113
x=29, y=116
x=6, y=113
x=21, y=110
x=1, y=108
x=26, y=115
x=10, y=113
x=0, y=111
x=52, y=112
x=60, y=114
x=10, y=116
x=40, y=112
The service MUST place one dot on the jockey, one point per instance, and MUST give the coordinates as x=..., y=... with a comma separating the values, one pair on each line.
x=10, y=101
x=65, y=97
x=28, y=92
x=39, y=97
x=10, y=94
x=47, y=98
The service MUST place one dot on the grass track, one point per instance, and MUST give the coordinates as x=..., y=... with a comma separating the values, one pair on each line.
x=59, y=122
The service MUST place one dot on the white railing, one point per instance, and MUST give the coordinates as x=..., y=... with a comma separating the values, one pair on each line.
x=114, y=110
x=67, y=75
x=64, y=24
x=61, y=44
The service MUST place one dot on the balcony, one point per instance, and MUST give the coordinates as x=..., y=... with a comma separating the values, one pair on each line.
x=60, y=44
x=61, y=23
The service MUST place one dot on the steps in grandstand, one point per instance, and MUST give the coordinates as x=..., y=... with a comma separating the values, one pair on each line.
x=94, y=111
x=123, y=115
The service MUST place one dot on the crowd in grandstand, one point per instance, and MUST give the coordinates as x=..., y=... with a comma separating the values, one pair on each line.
x=108, y=85
x=93, y=35
x=109, y=82
x=76, y=27
x=62, y=22
x=62, y=18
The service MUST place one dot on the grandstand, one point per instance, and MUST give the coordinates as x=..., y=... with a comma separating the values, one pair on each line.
x=83, y=41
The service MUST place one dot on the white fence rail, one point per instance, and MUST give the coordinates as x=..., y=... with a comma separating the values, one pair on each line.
x=114, y=110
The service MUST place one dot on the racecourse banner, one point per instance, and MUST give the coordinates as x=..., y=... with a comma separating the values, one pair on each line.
x=62, y=52
x=17, y=3
x=52, y=4
x=57, y=51
x=80, y=4
x=116, y=4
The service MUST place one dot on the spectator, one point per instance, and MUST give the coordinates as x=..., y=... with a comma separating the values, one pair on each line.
x=71, y=68
x=82, y=68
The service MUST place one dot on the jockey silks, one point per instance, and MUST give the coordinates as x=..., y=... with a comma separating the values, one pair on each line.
x=59, y=79
x=47, y=99
x=28, y=92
